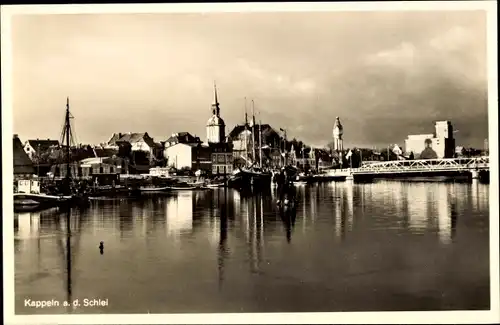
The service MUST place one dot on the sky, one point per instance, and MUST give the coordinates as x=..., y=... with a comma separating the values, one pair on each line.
x=385, y=74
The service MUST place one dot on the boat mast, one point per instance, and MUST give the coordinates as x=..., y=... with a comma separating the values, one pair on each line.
x=245, y=133
x=260, y=142
x=67, y=131
x=253, y=134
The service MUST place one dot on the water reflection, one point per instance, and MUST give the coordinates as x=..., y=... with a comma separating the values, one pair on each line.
x=288, y=216
x=179, y=213
x=222, y=248
x=418, y=205
x=244, y=241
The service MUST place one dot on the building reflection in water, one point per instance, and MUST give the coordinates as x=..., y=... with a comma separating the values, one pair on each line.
x=339, y=206
x=432, y=205
x=28, y=225
x=179, y=214
x=443, y=213
x=349, y=210
x=479, y=195
x=417, y=205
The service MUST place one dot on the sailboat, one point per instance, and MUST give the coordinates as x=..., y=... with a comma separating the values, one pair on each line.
x=30, y=198
x=252, y=174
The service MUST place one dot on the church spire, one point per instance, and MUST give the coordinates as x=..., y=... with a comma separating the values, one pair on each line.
x=246, y=115
x=215, y=105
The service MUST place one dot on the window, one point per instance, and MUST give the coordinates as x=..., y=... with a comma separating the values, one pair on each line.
x=101, y=169
x=111, y=169
x=80, y=171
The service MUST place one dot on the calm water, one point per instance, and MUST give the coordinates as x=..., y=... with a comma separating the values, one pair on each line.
x=381, y=246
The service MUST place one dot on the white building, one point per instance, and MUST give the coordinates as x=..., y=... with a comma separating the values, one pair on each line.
x=441, y=144
x=189, y=155
x=180, y=155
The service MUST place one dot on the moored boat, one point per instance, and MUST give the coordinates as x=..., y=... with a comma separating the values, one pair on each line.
x=29, y=197
x=183, y=188
x=154, y=189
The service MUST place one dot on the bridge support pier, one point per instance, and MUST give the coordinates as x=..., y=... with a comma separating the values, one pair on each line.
x=349, y=178
x=475, y=174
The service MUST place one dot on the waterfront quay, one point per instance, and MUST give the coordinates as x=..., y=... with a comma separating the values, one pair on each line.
x=380, y=246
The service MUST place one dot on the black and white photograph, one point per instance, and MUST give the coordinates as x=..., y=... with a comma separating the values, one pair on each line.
x=250, y=163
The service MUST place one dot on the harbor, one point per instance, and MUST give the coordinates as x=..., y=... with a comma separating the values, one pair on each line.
x=343, y=247
x=247, y=168
x=272, y=165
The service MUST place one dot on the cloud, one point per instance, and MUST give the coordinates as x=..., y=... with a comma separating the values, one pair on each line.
x=395, y=75
x=403, y=56
x=272, y=81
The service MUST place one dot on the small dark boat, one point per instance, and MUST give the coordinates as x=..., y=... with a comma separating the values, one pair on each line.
x=108, y=190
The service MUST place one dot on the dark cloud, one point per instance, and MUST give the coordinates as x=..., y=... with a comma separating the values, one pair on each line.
x=385, y=74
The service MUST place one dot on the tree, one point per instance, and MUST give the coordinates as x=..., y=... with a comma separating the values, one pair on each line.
x=124, y=150
x=140, y=158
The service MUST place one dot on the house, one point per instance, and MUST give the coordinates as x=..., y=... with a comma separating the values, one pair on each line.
x=89, y=167
x=100, y=152
x=323, y=159
x=35, y=148
x=138, y=142
x=222, y=158
x=181, y=137
x=192, y=156
x=23, y=166
x=304, y=158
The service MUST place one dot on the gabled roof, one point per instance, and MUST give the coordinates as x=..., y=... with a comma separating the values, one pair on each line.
x=193, y=145
x=43, y=145
x=236, y=131
x=115, y=137
x=131, y=137
x=22, y=163
x=104, y=152
x=266, y=130
x=183, y=137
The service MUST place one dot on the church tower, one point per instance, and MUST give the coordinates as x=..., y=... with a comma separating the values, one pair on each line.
x=215, y=125
x=337, y=136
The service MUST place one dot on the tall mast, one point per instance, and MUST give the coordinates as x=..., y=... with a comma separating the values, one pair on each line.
x=253, y=128
x=260, y=142
x=245, y=132
x=67, y=130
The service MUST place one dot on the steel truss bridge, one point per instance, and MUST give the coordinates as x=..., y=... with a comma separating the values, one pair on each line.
x=416, y=166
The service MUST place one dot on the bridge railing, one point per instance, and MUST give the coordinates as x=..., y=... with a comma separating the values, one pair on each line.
x=426, y=164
